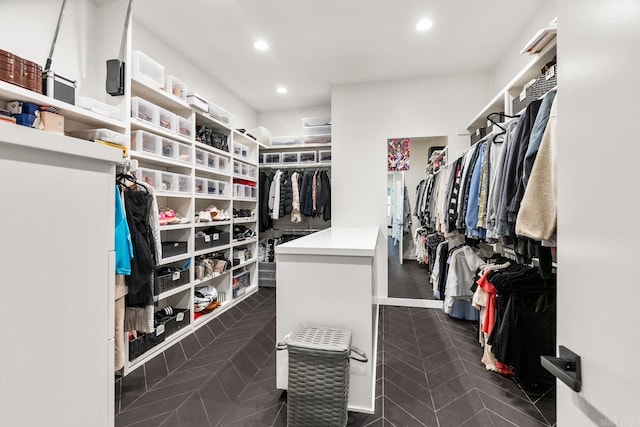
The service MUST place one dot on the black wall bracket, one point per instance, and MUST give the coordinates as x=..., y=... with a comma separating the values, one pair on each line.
x=566, y=368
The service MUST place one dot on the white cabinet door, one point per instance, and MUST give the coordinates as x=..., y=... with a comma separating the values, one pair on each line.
x=598, y=201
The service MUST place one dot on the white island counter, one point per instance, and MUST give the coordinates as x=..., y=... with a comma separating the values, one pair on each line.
x=327, y=279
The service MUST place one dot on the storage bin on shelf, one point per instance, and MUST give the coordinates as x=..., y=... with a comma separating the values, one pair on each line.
x=283, y=141
x=220, y=114
x=240, y=283
x=240, y=150
x=147, y=70
x=145, y=111
x=324, y=156
x=167, y=280
x=197, y=101
x=100, y=134
x=210, y=238
x=167, y=120
x=290, y=158
x=146, y=142
x=316, y=121
x=316, y=130
x=137, y=347
x=175, y=87
x=222, y=188
x=185, y=127
x=312, y=399
x=172, y=324
x=173, y=248
x=201, y=186
x=317, y=139
x=151, y=177
x=272, y=158
x=155, y=338
x=307, y=157
x=98, y=107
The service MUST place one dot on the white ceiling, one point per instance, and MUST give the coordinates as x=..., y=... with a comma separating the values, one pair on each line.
x=314, y=44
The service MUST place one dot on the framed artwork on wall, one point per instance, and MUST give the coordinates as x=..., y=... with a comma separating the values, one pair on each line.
x=398, y=154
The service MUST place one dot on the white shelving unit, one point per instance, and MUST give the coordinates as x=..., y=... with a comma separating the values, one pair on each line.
x=211, y=181
x=44, y=162
x=502, y=101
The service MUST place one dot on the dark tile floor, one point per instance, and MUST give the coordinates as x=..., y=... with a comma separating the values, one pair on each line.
x=407, y=280
x=429, y=374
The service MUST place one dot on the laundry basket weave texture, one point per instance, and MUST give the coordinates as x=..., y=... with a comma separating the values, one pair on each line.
x=318, y=390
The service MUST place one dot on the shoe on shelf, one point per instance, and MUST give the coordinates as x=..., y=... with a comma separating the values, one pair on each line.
x=169, y=215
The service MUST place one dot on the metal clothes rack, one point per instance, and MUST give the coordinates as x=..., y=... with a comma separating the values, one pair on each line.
x=318, y=166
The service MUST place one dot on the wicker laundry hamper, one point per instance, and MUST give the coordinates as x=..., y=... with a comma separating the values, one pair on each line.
x=318, y=390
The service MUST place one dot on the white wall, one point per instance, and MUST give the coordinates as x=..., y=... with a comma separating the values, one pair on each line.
x=365, y=115
x=201, y=81
x=598, y=152
x=287, y=122
x=513, y=61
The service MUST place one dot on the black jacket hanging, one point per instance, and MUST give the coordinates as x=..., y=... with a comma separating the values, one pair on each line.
x=140, y=282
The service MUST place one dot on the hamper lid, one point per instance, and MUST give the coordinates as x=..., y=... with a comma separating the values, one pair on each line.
x=319, y=338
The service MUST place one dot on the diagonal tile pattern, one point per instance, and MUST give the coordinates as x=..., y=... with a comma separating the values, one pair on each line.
x=428, y=374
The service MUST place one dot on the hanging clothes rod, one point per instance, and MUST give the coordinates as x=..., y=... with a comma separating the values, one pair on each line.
x=298, y=166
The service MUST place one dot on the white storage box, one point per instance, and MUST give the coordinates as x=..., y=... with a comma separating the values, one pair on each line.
x=145, y=142
x=150, y=177
x=290, y=158
x=316, y=121
x=261, y=134
x=284, y=140
x=247, y=191
x=212, y=161
x=316, y=130
x=97, y=107
x=201, y=186
x=308, y=157
x=244, y=169
x=184, y=153
x=185, y=127
x=237, y=168
x=147, y=70
x=324, y=156
x=175, y=87
x=167, y=120
x=102, y=134
x=240, y=150
x=272, y=158
x=212, y=187
x=201, y=157
x=222, y=188
x=184, y=183
x=223, y=163
x=238, y=191
x=169, y=148
x=169, y=181
x=317, y=139
x=251, y=172
x=197, y=101
x=144, y=111
x=220, y=114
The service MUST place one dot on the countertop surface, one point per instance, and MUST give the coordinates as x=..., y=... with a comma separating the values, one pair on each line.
x=342, y=241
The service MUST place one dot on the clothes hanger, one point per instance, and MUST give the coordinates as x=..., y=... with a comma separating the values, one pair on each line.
x=131, y=178
x=504, y=131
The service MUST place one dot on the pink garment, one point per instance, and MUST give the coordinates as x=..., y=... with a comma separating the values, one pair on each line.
x=490, y=314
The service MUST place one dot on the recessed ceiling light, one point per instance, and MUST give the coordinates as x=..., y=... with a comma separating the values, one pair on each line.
x=261, y=45
x=424, y=24
x=282, y=90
